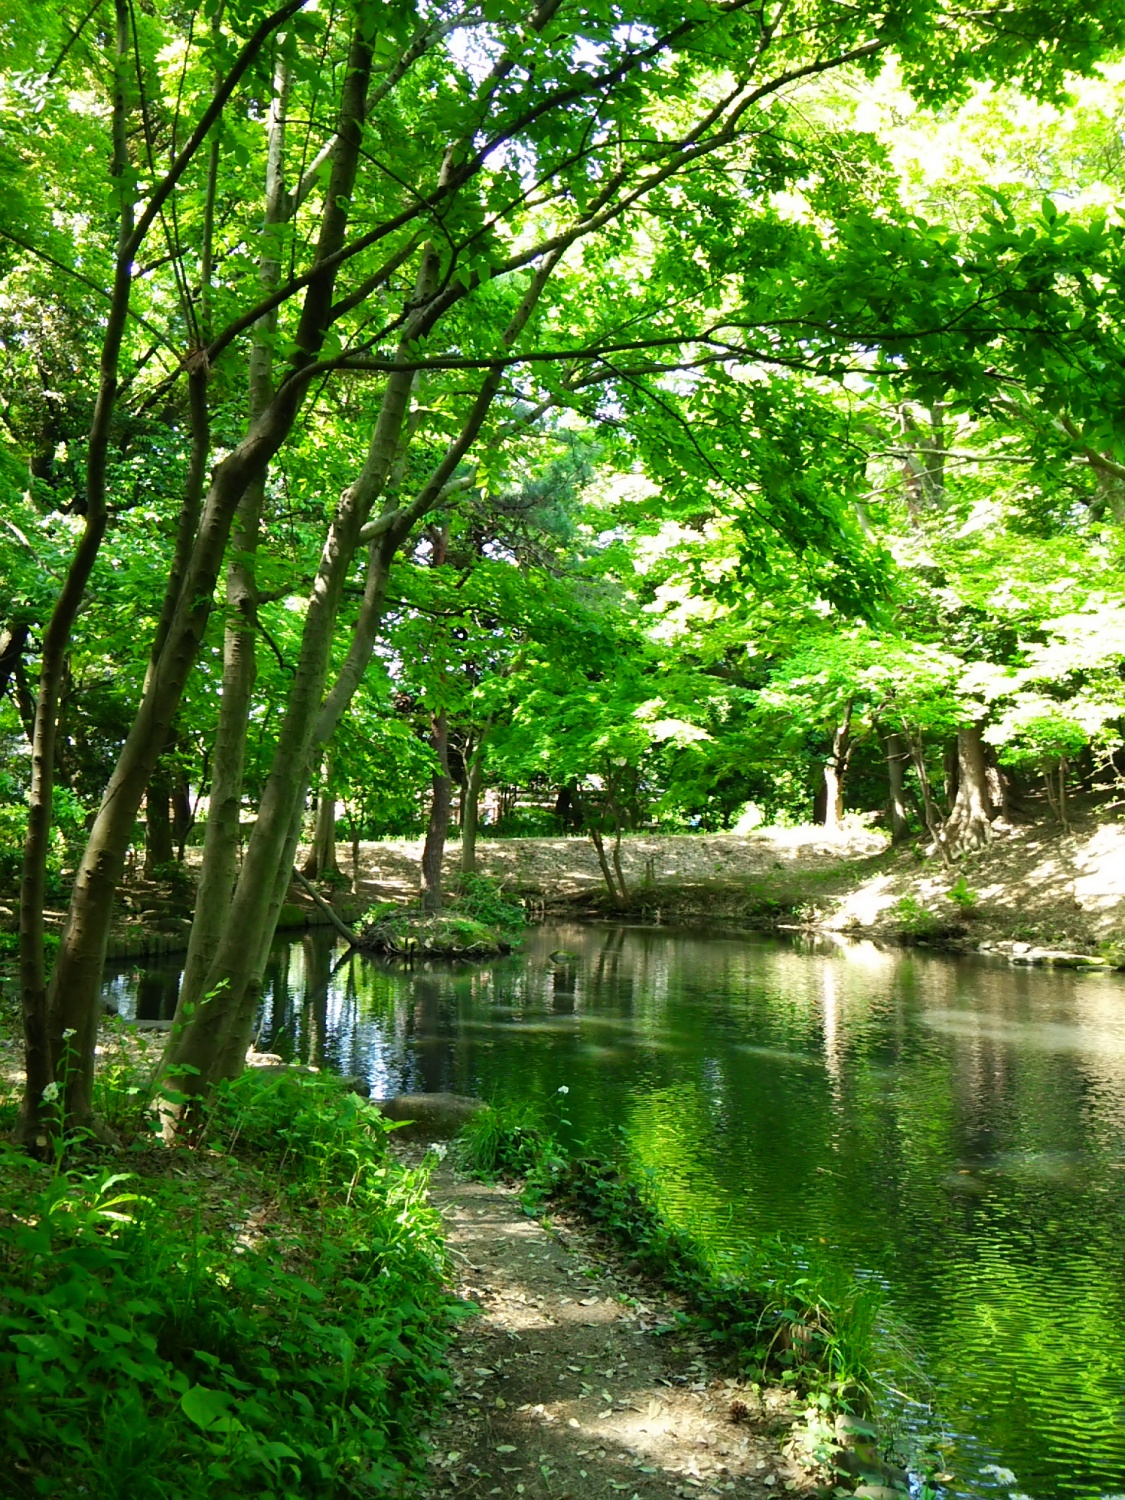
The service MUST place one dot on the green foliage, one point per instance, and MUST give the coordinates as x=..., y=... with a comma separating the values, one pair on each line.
x=915, y=920
x=963, y=896
x=769, y=1306
x=481, y=897
x=175, y=876
x=225, y=1330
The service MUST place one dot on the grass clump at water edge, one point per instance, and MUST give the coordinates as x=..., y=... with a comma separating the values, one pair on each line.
x=774, y=1309
x=262, y=1315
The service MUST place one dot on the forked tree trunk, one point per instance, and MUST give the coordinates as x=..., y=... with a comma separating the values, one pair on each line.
x=969, y=825
x=211, y=1043
x=437, y=828
x=897, y=756
x=44, y=1042
x=74, y=984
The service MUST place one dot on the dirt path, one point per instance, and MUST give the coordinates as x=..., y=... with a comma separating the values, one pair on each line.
x=566, y=1388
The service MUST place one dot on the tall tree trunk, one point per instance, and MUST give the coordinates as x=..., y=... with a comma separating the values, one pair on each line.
x=470, y=806
x=43, y=1043
x=240, y=663
x=969, y=825
x=74, y=985
x=897, y=755
x=437, y=829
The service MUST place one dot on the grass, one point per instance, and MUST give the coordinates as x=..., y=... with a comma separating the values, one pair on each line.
x=260, y=1315
x=773, y=1310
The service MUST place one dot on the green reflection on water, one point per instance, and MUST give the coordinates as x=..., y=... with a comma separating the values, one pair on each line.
x=955, y=1128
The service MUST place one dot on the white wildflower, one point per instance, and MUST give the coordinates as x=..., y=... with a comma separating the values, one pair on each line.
x=50, y=1093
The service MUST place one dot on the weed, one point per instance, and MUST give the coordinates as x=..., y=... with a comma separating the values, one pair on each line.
x=963, y=896
x=269, y=1321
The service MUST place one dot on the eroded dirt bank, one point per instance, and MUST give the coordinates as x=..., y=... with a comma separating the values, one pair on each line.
x=1034, y=883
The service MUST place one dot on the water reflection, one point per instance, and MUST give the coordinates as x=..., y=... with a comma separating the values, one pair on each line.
x=955, y=1127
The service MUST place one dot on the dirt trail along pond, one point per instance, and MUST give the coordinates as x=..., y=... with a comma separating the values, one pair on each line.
x=953, y=1128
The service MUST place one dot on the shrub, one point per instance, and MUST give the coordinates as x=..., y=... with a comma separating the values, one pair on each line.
x=963, y=896
x=481, y=897
x=204, y=1337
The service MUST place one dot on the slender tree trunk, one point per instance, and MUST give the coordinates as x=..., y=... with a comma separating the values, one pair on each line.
x=897, y=754
x=969, y=825
x=240, y=663
x=437, y=829
x=835, y=769
x=44, y=1044
x=929, y=809
x=470, y=806
x=183, y=814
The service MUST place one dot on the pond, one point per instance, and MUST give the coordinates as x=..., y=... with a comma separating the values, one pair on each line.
x=953, y=1127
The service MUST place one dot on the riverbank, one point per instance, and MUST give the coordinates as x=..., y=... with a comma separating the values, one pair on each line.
x=579, y=1379
x=547, y=1364
x=1034, y=884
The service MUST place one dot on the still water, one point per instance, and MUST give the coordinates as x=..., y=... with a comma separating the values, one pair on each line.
x=953, y=1127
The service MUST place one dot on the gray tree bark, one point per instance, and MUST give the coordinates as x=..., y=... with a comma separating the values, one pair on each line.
x=969, y=825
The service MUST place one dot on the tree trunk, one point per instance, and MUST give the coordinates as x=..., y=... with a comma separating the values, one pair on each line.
x=897, y=755
x=158, y=823
x=470, y=806
x=437, y=829
x=12, y=641
x=969, y=825
x=835, y=769
x=74, y=985
x=321, y=862
x=209, y=1046
x=45, y=1043
x=221, y=838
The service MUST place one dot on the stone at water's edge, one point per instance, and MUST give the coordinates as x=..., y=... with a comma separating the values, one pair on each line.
x=432, y=1115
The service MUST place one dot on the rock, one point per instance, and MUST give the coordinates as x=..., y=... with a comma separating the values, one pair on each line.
x=109, y=1008
x=1077, y=961
x=357, y=1084
x=142, y=1023
x=561, y=956
x=430, y=1115
x=264, y=1059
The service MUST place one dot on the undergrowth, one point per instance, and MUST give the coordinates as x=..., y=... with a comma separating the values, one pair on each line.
x=260, y=1316
x=774, y=1308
